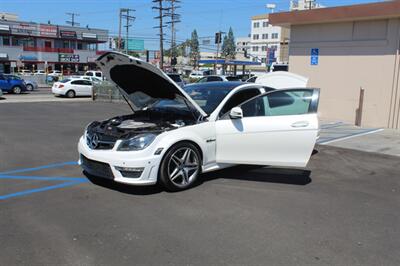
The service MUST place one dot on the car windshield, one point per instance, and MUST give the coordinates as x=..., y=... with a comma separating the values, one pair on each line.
x=208, y=97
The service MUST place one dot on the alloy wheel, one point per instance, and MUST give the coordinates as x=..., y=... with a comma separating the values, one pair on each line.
x=183, y=167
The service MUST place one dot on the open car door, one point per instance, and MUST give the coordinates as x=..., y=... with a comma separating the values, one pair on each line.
x=277, y=128
x=282, y=80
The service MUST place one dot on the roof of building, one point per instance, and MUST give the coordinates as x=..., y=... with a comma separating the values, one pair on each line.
x=379, y=10
x=258, y=17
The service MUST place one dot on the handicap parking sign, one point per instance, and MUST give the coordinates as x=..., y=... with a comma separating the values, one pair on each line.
x=314, y=56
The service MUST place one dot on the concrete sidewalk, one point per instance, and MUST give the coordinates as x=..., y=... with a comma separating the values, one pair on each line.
x=386, y=141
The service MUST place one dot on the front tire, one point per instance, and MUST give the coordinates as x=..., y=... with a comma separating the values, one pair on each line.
x=17, y=90
x=180, y=167
x=70, y=94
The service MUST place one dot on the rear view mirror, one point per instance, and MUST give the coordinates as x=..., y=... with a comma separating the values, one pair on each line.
x=236, y=113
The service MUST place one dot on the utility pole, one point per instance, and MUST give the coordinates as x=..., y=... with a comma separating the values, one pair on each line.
x=119, y=29
x=160, y=17
x=127, y=25
x=72, y=21
x=175, y=18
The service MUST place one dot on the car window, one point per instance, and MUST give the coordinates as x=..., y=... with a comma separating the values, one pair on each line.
x=293, y=102
x=209, y=79
x=238, y=98
x=175, y=78
x=202, y=80
x=89, y=74
x=233, y=78
x=78, y=82
x=252, y=79
x=208, y=98
x=98, y=74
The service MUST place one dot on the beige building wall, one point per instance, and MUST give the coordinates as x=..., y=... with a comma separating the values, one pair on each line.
x=352, y=55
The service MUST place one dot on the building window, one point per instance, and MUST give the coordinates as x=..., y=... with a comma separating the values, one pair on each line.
x=274, y=35
x=265, y=24
x=264, y=48
x=256, y=24
x=256, y=36
x=265, y=36
x=6, y=40
x=79, y=46
x=255, y=48
x=274, y=47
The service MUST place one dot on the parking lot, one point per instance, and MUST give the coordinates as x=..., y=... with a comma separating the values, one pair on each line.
x=341, y=210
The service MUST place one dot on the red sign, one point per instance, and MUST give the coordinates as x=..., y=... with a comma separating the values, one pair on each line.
x=48, y=31
x=67, y=34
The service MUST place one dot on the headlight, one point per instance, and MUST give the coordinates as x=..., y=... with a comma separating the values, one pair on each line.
x=136, y=143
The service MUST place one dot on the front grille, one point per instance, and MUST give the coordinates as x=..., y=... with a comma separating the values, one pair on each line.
x=96, y=168
x=97, y=141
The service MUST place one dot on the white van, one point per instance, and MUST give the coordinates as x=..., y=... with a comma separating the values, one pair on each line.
x=92, y=73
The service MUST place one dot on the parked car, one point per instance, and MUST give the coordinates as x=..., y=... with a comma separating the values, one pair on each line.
x=91, y=78
x=196, y=74
x=92, y=73
x=212, y=78
x=30, y=84
x=279, y=67
x=177, y=78
x=1, y=93
x=11, y=85
x=175, y=133
x=55, y=73
x=72, y=87
x=39, y=72
x=25, y=72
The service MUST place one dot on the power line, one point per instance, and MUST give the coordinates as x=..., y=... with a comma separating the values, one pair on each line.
x=72, y=21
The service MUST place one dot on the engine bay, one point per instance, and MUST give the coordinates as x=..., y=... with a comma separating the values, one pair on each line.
x=148, y=121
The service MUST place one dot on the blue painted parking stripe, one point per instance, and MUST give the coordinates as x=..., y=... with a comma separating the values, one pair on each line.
x=38, y=168
x=44, y=178
x=30, y=191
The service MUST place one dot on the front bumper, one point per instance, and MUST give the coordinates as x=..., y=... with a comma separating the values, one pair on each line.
x=112, y=164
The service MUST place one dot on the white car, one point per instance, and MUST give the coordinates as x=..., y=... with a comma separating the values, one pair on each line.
x=196, y=75
x=174, y=133
x=39, y=72
x=55, y=73
x=91, y=78
x=73, y=87
x=25, y=72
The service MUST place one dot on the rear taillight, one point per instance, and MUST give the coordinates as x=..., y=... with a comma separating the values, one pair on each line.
x=60, y=86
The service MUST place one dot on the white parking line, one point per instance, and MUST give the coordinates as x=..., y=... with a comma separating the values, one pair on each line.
x=351, y=136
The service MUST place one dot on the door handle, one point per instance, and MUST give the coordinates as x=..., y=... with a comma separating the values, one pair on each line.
x=300, y=124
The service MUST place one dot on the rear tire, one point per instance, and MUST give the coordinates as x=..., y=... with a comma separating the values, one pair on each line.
x=180, y=167
x=70, y=94
x=16, y=90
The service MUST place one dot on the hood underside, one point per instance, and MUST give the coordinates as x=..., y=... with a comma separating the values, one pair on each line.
x=141, y=83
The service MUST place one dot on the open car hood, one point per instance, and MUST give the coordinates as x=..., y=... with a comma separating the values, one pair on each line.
x=141, y=83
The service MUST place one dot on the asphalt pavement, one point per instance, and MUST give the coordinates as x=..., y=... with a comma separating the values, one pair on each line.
x=343, y=209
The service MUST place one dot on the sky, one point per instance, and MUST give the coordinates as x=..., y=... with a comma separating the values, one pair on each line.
x=206, y=16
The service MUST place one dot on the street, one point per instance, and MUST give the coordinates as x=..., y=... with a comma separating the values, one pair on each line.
x=341, y=210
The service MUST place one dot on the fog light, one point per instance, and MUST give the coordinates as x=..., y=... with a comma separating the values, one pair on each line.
x=131, y=172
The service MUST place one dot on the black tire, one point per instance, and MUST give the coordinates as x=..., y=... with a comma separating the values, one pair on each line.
x=29, y=87
x=184, y=178
x=16, y=90
x=70, y=94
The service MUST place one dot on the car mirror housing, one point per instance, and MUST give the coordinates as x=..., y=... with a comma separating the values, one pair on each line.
x=236, y=113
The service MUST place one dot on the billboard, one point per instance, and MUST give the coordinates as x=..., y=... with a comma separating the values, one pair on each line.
x=135, y=45
x=48, y=30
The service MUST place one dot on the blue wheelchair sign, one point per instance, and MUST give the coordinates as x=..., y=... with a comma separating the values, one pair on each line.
x=314, y=56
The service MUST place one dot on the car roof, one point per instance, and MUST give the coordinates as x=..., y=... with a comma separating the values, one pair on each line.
x=214, y=84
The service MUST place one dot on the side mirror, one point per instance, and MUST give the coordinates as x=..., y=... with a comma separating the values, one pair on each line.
x=236, y=113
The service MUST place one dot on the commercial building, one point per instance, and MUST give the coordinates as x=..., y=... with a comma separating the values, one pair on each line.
x=352, y=54
x=32, y=45
x=242, y=47
x=268, y=43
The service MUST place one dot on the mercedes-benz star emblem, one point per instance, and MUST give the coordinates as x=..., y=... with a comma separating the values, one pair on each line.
x=93, y=141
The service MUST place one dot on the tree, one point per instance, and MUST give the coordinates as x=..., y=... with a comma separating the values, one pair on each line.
x=229, y=46
x=194, y=49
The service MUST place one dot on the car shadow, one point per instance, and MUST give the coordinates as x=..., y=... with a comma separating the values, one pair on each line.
x=127, y=189
x=255, y=173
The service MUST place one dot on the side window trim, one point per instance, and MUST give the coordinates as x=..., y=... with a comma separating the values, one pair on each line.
x=313, y=108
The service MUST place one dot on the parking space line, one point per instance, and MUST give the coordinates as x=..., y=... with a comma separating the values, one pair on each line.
x=30, y=191
x=332, y=125
x=348, y=136
x=43, y=178
x=38, y=168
